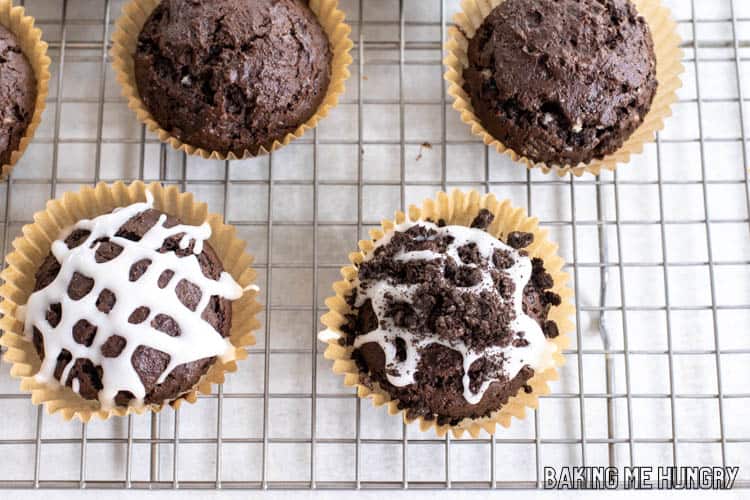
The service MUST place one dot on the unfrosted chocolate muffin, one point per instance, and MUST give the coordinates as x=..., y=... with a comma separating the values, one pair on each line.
x=451, y=321
x=562, y=82
x=232, y=75
x=17, y=94
x=131, y=308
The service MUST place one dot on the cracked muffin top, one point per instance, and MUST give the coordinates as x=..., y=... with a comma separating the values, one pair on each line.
x=17, y=94
x=232, y=75
x=562, y=82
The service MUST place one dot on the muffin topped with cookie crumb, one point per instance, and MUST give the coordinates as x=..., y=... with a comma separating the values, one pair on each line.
x=563, y=82
x=449, y=320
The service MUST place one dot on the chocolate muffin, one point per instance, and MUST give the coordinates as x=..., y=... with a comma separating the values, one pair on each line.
x=232, y=75
x=562, y=82
x=17, y=94
x=450, y=321
x=131, y=308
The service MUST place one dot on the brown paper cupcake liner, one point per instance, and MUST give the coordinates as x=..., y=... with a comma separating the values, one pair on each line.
x=35, y=50
x=32, y=248
x=457, y=208
x=668, y=70
x=125, y=38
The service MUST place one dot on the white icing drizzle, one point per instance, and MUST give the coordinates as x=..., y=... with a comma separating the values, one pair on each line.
x=197, y=339
x=537, y=354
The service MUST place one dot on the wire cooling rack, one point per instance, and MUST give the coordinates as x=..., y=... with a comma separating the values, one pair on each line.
x=659, y=255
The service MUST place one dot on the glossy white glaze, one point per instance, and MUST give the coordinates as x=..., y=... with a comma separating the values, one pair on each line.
x=198, y=339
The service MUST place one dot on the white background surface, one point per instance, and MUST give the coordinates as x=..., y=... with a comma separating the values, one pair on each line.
x=297, y=285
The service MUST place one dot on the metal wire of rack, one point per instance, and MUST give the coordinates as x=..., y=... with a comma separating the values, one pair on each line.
x=283, y=421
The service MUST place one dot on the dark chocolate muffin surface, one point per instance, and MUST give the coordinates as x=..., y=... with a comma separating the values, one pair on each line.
x=232, y=75
x=450, y=321
x=562, y=82
x=131, y=309
x=17, y=94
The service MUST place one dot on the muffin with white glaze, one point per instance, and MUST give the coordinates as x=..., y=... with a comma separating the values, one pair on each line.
x=131, y=310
